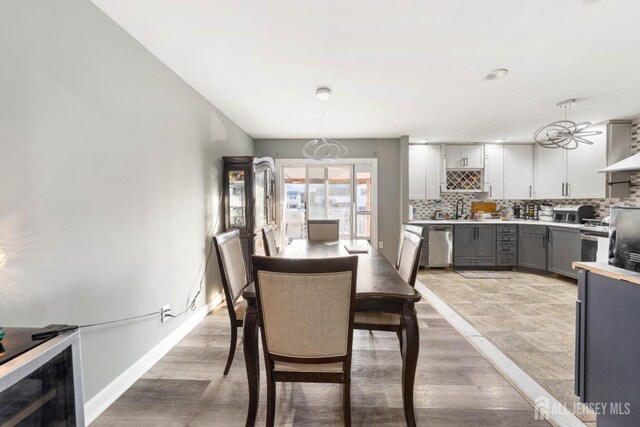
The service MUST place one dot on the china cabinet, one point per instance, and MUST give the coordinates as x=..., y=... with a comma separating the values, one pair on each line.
x=249, y=197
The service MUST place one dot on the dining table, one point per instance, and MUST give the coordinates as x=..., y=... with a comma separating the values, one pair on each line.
x=379, y=288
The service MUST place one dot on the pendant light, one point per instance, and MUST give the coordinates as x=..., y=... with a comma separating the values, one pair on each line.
x=324, y=148
x=565, y=133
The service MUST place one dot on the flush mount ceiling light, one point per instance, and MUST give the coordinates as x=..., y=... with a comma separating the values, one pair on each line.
x=324, y=148
x=500, y=140
x=565, y=133
x=497, y=74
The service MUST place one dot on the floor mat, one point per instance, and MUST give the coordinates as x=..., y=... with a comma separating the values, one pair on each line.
x=481, y=274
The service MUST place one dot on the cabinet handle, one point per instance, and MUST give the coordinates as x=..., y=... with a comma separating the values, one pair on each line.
x=544, y=242
x=568, y=190
x=490, y=192
x=563, y=186
x=530, y=191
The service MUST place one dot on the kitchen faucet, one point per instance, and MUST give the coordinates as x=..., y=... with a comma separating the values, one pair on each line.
x=459, y=208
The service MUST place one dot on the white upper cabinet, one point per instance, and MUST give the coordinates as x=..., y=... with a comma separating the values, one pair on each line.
x=417, y=172
x=465, y=156
x=425, y=172
x=550, y=173
x=518, y=172
x=494, y=171
x=583, y=164
x=572, y=174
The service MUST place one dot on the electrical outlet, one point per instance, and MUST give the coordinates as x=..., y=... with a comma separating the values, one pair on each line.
x=166, y=309
x=380, y=244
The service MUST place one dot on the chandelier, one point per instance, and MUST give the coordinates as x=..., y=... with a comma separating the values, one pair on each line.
x=565, y=133
x=324, y=148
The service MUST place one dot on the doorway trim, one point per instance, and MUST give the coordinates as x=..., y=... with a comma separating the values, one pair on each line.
x=372, y=162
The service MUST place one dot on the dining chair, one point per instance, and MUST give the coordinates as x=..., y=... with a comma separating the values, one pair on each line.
x=269, y=239
x=415, y=229
x=323, y=229
x=409, y=262
x=234, y=279
x=305, y=313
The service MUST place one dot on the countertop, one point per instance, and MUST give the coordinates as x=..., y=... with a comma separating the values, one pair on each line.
x=493, y=221
x=604, y=269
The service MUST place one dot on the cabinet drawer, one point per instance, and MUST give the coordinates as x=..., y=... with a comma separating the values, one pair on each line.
x=507, y=247
x=506, y=238
x=504, y=229
x=506, y=259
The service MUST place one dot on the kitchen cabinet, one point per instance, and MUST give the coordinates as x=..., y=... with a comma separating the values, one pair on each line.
x=474, y=245
x=494, y=171
x=573, y=174
x=518, y=171
x=564, y=248
x=607, y=347
x=532, y=246
x=425, y=172
x=507, y=245
x=464, y=156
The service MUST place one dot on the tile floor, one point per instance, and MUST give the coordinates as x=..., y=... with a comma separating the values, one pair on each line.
x=455, y=385
x=530, y=318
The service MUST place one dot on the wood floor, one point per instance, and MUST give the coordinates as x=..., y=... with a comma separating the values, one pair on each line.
x=455, y=385
x=530, y=318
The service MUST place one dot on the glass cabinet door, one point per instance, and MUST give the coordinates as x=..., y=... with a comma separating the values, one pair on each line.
x=261, y=193
x=237, y=199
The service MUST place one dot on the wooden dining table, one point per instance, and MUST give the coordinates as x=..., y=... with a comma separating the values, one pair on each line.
x=379, y=289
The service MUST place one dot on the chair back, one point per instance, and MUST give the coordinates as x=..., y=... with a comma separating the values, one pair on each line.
x=410, y=257
x=323, y=229
x=269, y=240
x=415, y=229
x=232, y=266
x=306, y=308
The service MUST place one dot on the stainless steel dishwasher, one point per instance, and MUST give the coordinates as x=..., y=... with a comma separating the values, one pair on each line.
x=440, y=245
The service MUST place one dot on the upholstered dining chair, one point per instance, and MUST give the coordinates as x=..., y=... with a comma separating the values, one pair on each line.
x=415, y=229
x=409, y=261
x=234, y=279
x=305, y=312
x=323, y=229
x=269, y=240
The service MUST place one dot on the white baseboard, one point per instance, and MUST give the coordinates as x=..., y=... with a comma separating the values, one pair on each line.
x=101, y=401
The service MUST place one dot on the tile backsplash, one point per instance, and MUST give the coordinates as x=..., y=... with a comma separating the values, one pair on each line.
x=447, y=204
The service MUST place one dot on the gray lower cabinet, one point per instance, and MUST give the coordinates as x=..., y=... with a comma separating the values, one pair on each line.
x=607, y=367
x=532, y=246
x=564, y=248
x=474, y=245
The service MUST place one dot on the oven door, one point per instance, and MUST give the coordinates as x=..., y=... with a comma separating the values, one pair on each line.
x=589, y=251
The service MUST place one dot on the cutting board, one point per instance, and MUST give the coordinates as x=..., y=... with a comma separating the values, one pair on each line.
x=487, y=207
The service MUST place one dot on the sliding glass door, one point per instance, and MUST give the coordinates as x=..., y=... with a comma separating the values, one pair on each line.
x=337, y=191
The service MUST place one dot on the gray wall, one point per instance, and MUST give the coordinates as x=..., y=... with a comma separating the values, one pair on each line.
x=386, y=151
x=110, y=167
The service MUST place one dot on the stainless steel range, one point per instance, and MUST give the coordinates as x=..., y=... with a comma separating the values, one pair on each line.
x=595, y=241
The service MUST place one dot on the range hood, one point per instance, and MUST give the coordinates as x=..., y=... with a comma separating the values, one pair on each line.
x=630, y=164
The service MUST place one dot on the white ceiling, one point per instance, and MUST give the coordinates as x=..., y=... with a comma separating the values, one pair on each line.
x=397, y=67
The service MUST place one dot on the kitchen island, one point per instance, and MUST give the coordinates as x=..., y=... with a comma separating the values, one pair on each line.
x=607, y=367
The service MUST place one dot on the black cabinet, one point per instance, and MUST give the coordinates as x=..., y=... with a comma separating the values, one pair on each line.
x=249, y=190
x=607, y=368
x=532, y=246
x=474, y=245
x=563, y=250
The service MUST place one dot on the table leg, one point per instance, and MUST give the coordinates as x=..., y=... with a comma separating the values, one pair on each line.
x=252, y=361
x=411, y=347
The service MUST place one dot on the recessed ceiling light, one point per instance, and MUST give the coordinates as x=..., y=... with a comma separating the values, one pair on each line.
x=497, y=74
x=500, y=140
x=323, y=93
x=423, y=140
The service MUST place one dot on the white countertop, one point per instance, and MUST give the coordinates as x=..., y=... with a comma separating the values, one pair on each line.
x=493, y=221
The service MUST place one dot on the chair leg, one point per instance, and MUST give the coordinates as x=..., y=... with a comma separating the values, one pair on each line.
x=232, y=348
x=271, y=401
x=347, y=401
x=399, y=333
